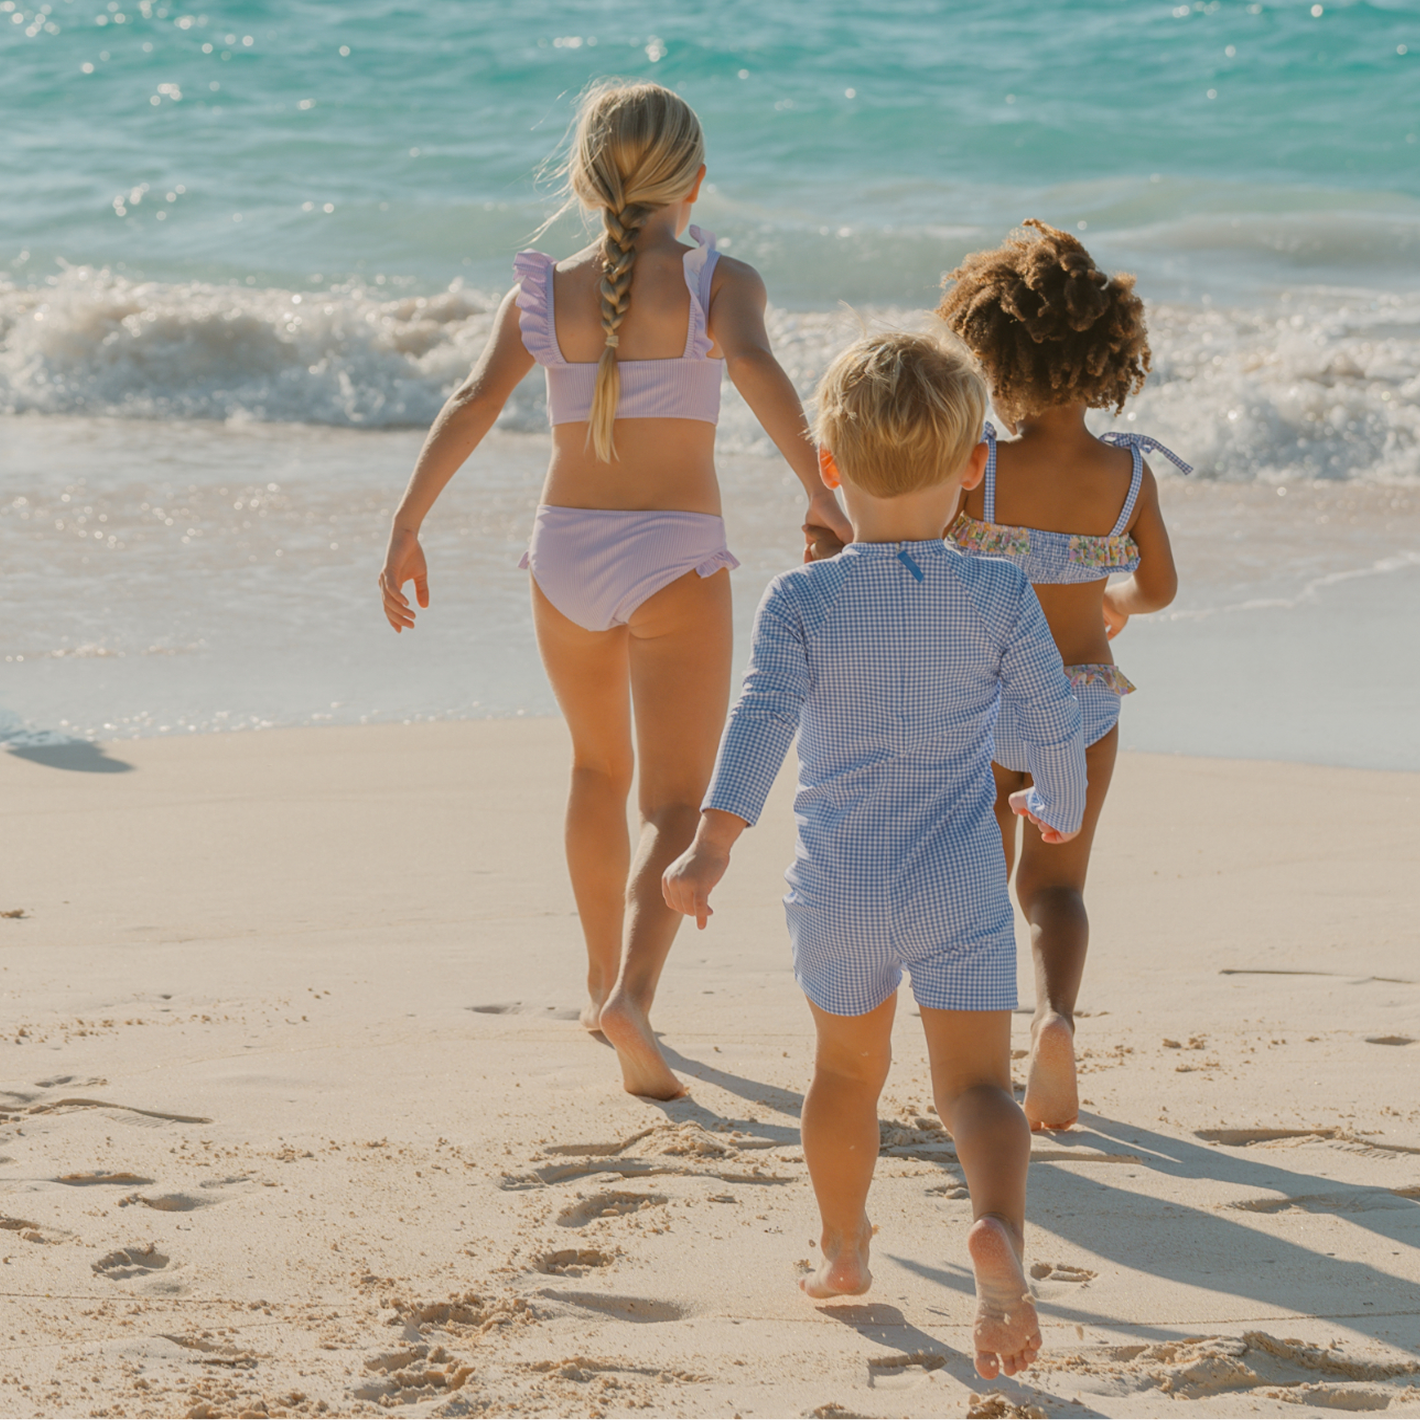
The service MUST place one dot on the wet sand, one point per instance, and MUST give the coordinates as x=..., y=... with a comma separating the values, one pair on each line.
x=298, y=1118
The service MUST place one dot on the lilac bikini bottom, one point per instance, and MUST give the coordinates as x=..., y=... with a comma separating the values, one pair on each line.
x=596, y=565
x=1098, y=688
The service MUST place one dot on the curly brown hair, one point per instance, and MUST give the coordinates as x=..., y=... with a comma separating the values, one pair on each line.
x=1048, y=326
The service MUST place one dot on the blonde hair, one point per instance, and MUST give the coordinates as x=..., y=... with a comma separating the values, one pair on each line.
x=636, y=147
x=900, y=412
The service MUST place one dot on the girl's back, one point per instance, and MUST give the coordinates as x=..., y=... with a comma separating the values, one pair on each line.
x=659, y=463
x=1063, y=480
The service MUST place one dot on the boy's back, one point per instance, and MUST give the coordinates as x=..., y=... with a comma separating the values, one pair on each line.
x=890, y=661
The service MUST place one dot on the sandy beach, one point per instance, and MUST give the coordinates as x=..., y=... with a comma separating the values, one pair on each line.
x=298, y=1119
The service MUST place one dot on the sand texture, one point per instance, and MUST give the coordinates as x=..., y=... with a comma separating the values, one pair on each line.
x=297, y=1117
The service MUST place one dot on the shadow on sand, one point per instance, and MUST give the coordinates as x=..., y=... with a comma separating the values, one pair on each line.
x=79, y=756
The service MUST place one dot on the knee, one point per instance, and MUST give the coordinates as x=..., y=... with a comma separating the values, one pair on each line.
x=1041, y=890
x=675, y=815
x=866, y=1070
x=981, y=1100
x=603, y=776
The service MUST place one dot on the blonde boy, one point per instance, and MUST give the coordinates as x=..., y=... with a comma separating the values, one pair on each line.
x=889, y=661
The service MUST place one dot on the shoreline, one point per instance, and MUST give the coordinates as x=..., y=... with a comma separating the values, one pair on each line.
x=382, y=1167
x=1281, y=646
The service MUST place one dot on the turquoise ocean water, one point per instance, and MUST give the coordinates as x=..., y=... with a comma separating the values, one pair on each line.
x=246, y=248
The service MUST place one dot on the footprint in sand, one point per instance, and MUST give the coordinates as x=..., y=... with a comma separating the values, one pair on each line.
x=1247, y=1367
x=572, y=1261
x=32, y=1232
x=413, y=1374
x=129, y=1262
x=101, y=1176
x=995, y=1405
x=1265, y=1138
x=170, y=1202
x=902, y=1372
x=1363, y=1200
x=607, y=1205
x=954, y=1191
x=1060, y=1272
x=638, y=1309
x=516, y=1008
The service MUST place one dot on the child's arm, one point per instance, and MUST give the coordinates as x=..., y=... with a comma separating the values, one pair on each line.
x=465, y=418
x=757, y=736
x=1047, y=719
x=1155, y=583
x=687, y=882
x=736, y=322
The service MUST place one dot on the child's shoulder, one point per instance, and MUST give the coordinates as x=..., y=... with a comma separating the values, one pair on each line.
x=809, y=582
x=986, y=574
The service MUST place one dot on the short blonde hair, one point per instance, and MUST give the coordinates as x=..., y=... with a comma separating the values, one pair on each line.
x=900, y=412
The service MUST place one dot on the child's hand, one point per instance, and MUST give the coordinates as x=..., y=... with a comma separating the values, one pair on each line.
x=686, y=884
x=1115, y=619
x=404, y=561
x=820, y=543
x=825, y=516
x=1019, y=802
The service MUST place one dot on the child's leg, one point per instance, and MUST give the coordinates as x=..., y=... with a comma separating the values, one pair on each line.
x=1008, y=781
x=970, y=1053
x=1050, y=886
x=588, y=672
x=679, y=650
x=840, y=1133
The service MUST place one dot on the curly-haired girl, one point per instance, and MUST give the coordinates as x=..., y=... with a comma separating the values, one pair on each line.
x=1057, y=337
x=628, y=547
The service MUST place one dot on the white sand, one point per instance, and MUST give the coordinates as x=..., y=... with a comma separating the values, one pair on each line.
x=383, y=1169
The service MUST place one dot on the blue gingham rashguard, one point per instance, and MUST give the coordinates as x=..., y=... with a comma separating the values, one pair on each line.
x=890, y=661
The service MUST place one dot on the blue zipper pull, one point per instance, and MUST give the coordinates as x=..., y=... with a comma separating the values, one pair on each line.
x=905, y=558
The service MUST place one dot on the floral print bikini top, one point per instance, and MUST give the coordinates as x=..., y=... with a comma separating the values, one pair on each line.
x=1052, y=558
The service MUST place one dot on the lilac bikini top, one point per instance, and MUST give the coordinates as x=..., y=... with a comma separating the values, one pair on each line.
x=1053, y=558
x=684, y=387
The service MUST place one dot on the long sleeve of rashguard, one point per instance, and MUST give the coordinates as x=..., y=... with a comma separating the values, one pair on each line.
x=762, y=725
x=1047, y=718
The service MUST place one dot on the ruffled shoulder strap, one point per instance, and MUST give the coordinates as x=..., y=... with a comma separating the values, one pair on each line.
x=699, y=274
x=989, y=482
x=534, y=272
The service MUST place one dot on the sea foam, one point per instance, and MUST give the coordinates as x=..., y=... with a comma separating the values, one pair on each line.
x=1321, y=384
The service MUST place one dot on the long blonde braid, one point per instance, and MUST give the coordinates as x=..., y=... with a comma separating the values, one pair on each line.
x=637, y=147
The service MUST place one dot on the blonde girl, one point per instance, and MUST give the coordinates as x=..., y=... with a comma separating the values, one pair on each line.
x=629, y=567
x=1057, y=337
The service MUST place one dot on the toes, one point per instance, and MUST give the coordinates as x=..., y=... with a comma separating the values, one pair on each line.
x=987, y=1365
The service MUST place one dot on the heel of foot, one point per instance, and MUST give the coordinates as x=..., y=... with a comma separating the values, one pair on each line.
x=1007, y=1331
x=643, y=1068
x=1052, y=1099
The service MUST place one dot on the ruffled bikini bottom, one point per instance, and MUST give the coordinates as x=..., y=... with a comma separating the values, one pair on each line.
x=1098, y=688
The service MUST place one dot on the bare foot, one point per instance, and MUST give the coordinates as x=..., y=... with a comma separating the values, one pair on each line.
x=643, y=1068
x=1052, y=1099
x=1007, y=1332
x=591, y=1016
x=844, y=1269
